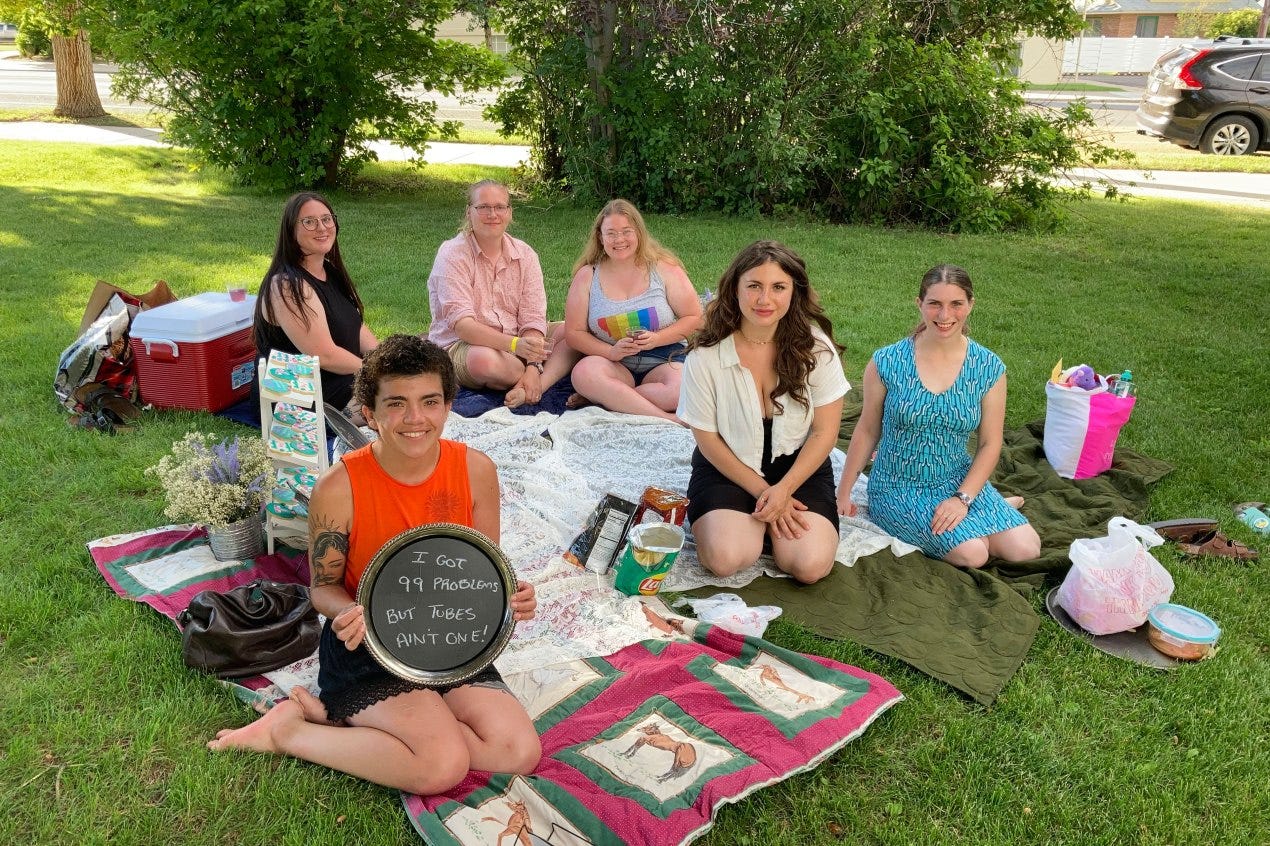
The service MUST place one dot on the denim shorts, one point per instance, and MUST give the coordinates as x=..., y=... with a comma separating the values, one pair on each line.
x=643, y=362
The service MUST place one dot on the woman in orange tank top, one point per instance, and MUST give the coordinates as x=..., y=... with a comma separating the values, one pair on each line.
x=369, y=723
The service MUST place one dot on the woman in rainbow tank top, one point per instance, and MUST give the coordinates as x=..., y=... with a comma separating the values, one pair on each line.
x=630, y=310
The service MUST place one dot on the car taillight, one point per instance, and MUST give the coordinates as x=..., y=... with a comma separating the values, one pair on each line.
x=1187, y=80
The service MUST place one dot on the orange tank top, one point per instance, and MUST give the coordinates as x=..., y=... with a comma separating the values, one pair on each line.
x=384, y=508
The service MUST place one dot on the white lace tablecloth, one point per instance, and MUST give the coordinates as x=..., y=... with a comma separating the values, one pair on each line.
x=554, y=470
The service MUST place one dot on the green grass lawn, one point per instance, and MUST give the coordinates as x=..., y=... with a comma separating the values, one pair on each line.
x=103, y=727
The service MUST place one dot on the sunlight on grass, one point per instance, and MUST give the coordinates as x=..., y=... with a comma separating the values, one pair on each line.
x=1080, y=748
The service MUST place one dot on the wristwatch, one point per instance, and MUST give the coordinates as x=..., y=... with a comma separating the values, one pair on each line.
x=537, y=365
x=965, y=498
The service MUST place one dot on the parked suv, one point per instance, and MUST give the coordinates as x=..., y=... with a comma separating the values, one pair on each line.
x=1214, y=95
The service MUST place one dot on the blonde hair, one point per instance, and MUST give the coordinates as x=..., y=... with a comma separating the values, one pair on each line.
x=649, y=251
x=466, y=225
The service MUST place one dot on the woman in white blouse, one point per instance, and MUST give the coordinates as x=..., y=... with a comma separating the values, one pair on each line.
x=762, y=392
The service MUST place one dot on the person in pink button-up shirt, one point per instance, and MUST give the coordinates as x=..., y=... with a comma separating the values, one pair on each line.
x=489, y=305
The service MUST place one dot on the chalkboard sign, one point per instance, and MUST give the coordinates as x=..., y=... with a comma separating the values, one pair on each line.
x=437, y=601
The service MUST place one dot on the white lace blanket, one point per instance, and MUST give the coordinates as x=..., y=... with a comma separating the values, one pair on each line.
x=554, y=470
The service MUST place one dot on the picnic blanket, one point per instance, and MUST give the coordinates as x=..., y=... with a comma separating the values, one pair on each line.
x=969, y=629
x=641, y=746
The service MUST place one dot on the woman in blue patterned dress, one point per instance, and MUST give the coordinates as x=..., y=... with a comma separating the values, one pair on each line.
x=923, y=396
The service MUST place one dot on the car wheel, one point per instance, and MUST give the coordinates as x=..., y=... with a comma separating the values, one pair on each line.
x=1230, y=136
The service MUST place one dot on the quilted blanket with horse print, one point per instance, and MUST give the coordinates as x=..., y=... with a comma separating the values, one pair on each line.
x=640, y=746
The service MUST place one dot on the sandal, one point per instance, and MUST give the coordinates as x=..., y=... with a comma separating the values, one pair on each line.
x=1184, y=529
x=1214, y=543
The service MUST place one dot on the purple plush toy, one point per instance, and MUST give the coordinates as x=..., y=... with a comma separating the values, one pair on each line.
x=1084, y=377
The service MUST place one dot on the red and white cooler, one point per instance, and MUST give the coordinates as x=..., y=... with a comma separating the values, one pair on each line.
x=196, y=353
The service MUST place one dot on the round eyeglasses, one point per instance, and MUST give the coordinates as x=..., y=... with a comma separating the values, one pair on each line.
x=326, y=221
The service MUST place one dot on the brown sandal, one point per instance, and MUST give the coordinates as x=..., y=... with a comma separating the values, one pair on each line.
x=1184, y=529
x=1214, y=543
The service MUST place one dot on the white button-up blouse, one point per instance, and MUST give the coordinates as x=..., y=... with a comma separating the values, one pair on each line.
x=717, y=394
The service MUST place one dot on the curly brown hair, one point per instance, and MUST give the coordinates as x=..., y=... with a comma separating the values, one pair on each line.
x=795, y=345
x=403, y=355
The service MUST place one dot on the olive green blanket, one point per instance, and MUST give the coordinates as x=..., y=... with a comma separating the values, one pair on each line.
x=971, y=630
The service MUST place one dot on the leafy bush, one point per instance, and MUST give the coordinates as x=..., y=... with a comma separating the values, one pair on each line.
x=1242, y=23
x=35, y=30
x=286, y=93
x=853, y=111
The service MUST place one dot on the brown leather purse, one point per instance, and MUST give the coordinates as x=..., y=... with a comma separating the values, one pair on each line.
x=248, y=630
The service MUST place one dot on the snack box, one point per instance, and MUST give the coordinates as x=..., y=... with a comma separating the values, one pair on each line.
x=196, y=353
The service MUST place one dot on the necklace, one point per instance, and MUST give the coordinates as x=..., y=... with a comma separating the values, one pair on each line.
x=754, y=342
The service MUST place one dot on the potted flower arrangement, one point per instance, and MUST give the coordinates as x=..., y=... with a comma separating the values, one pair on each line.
x=221, y=485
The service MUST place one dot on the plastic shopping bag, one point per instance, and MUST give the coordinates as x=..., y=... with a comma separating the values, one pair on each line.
x=1081, y=428
x=1115, y=580
x=729, y=611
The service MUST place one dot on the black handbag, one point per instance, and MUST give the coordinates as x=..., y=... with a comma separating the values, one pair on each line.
x=249, y=630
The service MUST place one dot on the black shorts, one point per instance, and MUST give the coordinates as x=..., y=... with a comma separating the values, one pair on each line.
x=709, y=490
x=352, y=681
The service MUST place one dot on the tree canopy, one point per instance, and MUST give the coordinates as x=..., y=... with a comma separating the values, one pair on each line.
x=889, y=112
x=289, y=92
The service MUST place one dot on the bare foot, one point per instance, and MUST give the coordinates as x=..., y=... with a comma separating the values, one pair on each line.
x=515, y=397
x=1014, y=501
x=576, y=400
x=259, y=735
x=312, y=708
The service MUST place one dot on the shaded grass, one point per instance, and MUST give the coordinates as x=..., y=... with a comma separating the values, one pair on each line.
x=1079, y=749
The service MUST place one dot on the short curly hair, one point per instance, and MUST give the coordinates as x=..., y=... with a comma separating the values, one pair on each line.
x=403, y=355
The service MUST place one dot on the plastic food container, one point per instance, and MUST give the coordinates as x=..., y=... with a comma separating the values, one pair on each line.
x=1181, y=632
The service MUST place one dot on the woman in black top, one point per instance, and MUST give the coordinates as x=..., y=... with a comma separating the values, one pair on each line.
x=308, y=304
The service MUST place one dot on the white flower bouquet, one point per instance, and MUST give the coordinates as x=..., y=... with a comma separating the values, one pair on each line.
x=215, y=484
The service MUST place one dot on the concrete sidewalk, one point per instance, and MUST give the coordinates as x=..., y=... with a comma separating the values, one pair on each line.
x=1242, y=188
x=438, y=152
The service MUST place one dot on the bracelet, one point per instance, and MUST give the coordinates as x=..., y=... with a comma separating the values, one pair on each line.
x=515, y=341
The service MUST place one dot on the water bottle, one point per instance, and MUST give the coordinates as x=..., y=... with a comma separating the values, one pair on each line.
x=1124, y=386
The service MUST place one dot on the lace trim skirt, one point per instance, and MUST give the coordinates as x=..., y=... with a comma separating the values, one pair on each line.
x=353, y=681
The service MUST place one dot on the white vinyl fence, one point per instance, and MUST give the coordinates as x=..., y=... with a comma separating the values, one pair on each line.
x=1099, y=54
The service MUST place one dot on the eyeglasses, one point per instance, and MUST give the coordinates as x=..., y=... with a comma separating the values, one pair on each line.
x=326, y=221
x=486, y=208
x=613, y=235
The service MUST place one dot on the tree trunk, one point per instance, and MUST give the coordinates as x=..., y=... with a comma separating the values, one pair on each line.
x=76, y=88
x=489, y=34
x=599, y=32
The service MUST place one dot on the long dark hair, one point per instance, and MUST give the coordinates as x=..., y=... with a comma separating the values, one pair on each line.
x=945, y=274
x=795, y=345
x=286, y=268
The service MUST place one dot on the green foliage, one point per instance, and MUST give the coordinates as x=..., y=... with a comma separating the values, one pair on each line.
x=286, y=93
x=35, y=30
x=1242, y=23
x=852, y=111
x=1192, y=24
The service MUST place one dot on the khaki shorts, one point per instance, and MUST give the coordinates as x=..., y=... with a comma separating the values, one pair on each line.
x=458, y=354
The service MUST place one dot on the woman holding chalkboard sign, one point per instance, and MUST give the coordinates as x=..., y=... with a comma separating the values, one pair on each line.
x=368, y=722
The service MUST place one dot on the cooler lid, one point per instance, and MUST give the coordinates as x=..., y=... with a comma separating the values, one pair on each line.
x=202, y=317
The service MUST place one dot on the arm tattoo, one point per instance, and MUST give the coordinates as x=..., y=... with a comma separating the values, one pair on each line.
x=328, y=553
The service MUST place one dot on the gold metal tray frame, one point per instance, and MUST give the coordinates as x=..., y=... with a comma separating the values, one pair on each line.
x=496, y=644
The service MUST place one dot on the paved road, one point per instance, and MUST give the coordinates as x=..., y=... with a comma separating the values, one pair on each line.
x=27, y=79
x=31, y=83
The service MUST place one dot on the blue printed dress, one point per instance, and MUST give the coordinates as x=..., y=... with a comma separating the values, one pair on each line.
x=922, y=454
